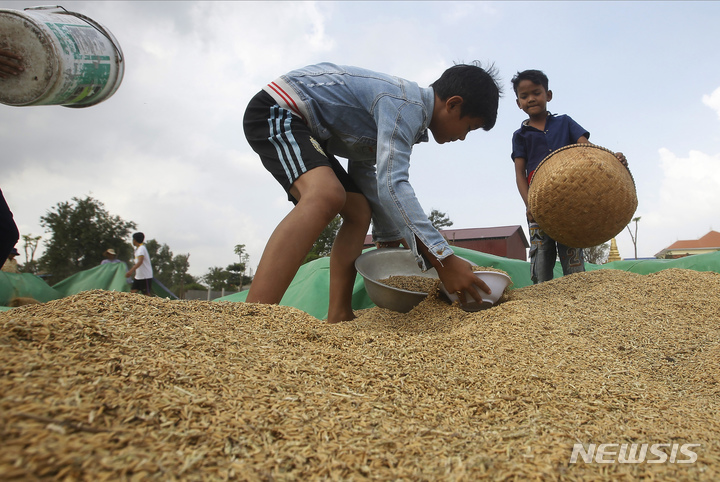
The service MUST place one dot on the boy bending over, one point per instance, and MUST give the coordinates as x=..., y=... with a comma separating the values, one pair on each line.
x=300, y=122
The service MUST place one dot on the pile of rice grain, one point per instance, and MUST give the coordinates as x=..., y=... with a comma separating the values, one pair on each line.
x=115, y=386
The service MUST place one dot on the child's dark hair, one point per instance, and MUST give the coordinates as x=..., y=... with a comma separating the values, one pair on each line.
x=139, y=237
x=534, y=76
x=478, y=87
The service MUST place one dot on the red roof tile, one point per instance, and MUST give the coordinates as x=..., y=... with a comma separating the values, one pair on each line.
x=495, y=232
x=710, y=241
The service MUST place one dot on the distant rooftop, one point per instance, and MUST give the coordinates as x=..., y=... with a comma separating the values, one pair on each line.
x=709, y=242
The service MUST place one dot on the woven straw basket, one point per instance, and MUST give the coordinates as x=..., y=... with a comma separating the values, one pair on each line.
x=582, y=196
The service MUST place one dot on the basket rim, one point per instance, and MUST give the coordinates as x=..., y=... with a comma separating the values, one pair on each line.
x=579, y=144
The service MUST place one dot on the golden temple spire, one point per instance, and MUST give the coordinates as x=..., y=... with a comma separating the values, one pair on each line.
x=614, y=253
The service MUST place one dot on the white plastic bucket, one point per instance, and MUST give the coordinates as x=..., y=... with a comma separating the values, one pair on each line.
x=69, y=59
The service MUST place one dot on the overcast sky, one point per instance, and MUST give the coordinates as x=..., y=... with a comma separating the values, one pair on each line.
x=167, y=150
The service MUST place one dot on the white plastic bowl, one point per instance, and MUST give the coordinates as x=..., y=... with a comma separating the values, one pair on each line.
x=496, y=281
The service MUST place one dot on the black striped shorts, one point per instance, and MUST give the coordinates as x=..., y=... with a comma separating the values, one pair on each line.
x=286, y=145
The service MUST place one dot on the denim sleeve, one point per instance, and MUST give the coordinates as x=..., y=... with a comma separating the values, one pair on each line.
x=399, y=123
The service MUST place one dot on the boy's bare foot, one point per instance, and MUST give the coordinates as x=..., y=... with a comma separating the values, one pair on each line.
x=337, y=318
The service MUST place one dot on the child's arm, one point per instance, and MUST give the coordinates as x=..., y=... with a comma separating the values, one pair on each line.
x=132, y=270
x=522, y=184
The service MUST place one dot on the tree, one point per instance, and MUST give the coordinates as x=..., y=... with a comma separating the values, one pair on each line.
x=30, y=244
x=323, y=245
x=216, y=278
x=169, y=269
x=161, y=259
x=181, y=265
x=597, y=254
x=240, y=251
x=236, y=276
x=439, y=220
x=634, y=236
x=81, y=231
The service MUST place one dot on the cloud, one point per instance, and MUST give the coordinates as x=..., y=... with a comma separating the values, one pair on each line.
x=685, y=199
x=690, y=187
x=713, y=100
x=689, y=194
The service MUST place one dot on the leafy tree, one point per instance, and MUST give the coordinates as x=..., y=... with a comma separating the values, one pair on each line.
x=171, y=270
x=439, y=220
x=181, y=264
x=323, y=245
x=597, y=254
x=80, y=231
x=161, y=259
x=216, y=278
x=236, y=272
x=240, y=251
x=30, y=244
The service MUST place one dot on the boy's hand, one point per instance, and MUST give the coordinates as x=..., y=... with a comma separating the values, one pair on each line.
x=9, y=64
x=529, y=215
x=458, y=277
x=621, y=157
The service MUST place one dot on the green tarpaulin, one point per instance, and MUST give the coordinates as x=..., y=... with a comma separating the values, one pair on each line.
x=309, y=289
x=109, y=276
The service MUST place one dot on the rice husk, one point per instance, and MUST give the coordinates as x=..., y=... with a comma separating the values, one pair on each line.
x=116, y=386
x=414, y=283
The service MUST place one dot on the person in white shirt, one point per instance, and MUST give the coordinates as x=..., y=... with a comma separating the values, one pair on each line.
x=142, y=269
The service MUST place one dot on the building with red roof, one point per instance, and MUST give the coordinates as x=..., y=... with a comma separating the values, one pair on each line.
x=506, y=241
x=685, y=247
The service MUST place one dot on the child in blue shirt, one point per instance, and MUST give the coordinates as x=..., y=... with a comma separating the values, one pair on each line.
x=300, y=122
x=539, y=135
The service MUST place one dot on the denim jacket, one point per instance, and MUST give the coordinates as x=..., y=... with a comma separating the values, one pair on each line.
x=373, y=120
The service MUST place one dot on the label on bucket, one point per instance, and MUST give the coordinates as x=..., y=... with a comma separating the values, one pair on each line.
x=90, y=73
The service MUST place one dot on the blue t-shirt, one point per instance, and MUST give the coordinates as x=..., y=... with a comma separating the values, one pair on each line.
x=534, y=145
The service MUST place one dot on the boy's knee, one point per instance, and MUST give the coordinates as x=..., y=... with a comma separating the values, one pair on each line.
x=330, y=201
x=336, y=199
x=357, y=209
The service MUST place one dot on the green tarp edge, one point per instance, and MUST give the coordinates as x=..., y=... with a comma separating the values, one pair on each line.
x=109, y=276
x=309, y=289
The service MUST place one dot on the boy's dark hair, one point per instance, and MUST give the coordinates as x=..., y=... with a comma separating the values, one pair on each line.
x=535, y=76
x=478, y=87
x=139, y=237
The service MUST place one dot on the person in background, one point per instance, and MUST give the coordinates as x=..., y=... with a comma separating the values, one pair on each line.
x=142, y=269
x=539, y=135
x=11, y=265
x=110, y=257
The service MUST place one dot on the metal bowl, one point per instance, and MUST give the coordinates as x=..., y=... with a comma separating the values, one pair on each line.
x=381, y=264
